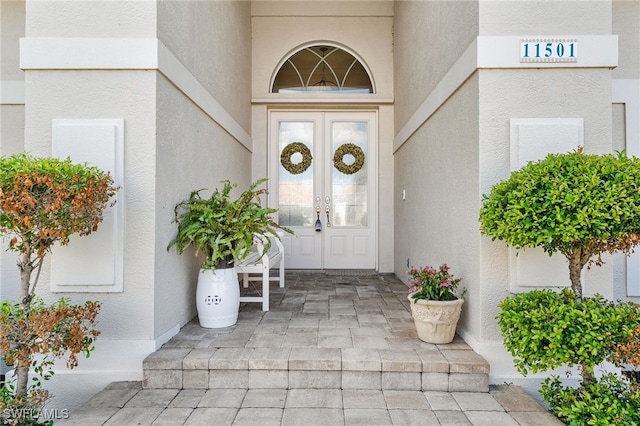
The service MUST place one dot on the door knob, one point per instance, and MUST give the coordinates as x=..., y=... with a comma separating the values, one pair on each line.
x=318, y=225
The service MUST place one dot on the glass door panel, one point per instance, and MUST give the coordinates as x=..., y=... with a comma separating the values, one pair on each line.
x=349, y=187
x=295, y=186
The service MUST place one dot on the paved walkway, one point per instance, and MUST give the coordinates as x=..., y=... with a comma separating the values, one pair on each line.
x=126, y=403
x=314, y=312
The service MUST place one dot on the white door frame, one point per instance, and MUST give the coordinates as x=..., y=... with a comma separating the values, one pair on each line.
x=323, y=119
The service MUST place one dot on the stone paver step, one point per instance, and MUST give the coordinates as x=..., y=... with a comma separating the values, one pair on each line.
x=430, y=369
x=334, y=332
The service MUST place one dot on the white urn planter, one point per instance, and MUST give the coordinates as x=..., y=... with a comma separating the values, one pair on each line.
x=436, y=320
x=218, y=297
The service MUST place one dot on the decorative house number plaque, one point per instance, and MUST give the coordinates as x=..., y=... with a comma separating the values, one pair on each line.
x=549, y=50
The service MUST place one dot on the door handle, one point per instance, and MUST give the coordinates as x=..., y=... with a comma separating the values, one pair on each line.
x=318, y=225
x=328, y=219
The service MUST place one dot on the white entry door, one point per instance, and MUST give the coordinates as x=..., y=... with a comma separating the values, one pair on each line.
x=323, y=183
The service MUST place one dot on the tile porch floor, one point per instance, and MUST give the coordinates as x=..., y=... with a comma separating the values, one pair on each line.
x=334, y=349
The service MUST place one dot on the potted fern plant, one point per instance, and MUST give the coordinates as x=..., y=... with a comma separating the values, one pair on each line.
x=222, y=229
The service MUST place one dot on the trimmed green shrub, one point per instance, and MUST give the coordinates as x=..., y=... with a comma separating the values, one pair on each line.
x=576, y=204
x=43, y=201
x=544, y=330
x=607, y=401
x=581, y=206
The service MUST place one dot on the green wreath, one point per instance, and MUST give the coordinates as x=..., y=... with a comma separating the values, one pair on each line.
x=344, y=149
x=288, y=151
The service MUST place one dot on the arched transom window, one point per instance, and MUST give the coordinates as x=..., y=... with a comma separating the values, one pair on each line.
x=322, y=69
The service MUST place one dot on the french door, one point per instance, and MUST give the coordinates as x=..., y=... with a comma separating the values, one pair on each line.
x=323, y=182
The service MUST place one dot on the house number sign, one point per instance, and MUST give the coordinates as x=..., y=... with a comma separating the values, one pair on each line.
x=549, y=50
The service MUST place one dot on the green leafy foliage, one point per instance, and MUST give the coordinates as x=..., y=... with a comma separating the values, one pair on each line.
x=565, y=201
x=43, y=201
x=576, y=204
x=22, y=409
x=223, y=228
x=428, y=283
x=543, y=329
x=581, y=206
x=54, y=331
x=609, y=400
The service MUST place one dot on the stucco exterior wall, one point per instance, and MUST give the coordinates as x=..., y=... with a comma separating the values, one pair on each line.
x=212, y=40
x=105, y=94
x=437, y=166
x=12, y=16
x=534, y=93
x=626, y=116
x=545, y=17
x=478, y=109
x=422, y=55
x=11, y=77
x=91, y=18
x=193, y=152
x=437, y=169
x=626, y=15
x=509, y=94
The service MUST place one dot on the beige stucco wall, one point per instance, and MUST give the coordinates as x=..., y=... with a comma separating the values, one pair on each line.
x=626, y=15
x=11, y=77
x=473, y=124
x=438, y=170
x=438, y=165
x=173, y=107
x=545, y=17
x=281, y=28
x=91, y=18
x=11, y=116
x=535, y=93
x=422, y=55
x=128, y=95
x=626, y=115
x=212, y=39
x=509, y=94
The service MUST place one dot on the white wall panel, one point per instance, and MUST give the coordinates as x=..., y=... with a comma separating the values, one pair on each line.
x=92, y=263
x=531, y=140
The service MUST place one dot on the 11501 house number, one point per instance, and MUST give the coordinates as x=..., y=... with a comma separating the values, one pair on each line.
x=548, y=50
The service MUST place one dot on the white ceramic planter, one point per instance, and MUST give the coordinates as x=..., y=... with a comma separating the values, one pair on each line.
x=436, y=320
x=218, y=297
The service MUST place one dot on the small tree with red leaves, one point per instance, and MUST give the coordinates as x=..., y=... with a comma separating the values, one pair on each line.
x=43, y=201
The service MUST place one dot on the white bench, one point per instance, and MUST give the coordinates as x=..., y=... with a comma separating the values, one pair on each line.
x=255, y=264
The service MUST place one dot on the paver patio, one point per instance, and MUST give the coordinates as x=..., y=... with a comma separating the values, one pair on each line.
x=332, y=350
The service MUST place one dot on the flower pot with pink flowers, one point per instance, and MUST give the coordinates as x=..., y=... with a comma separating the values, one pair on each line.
x=435, y=304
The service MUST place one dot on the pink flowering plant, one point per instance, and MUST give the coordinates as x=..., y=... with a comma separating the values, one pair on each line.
x=433, y=284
